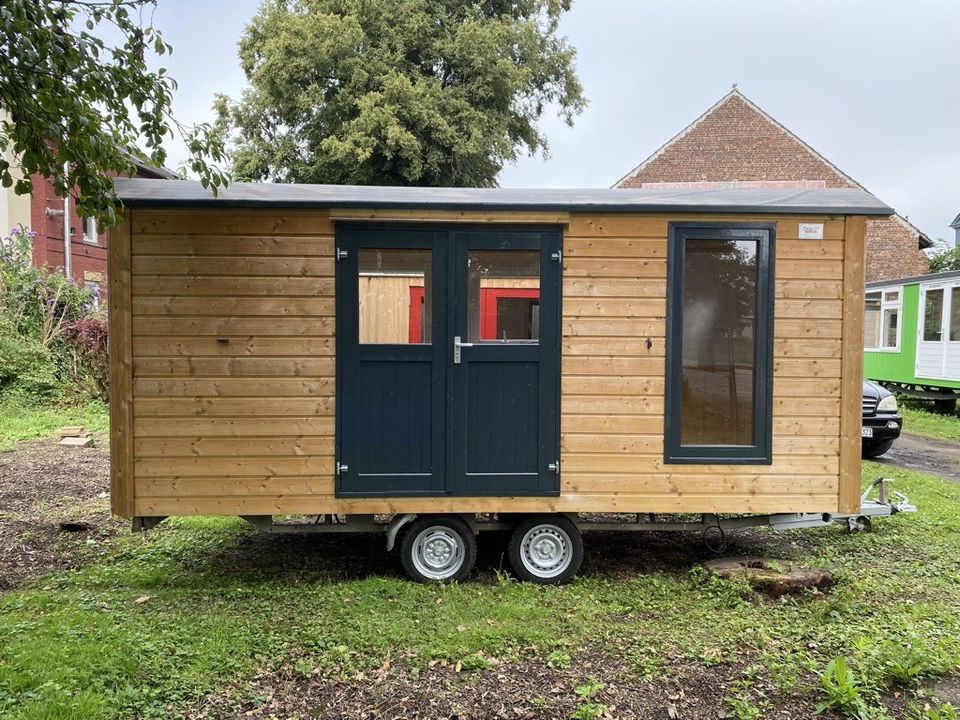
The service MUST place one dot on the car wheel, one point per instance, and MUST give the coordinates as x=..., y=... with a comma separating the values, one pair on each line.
x=546, y=549
x=438, y=548
x=875, y=450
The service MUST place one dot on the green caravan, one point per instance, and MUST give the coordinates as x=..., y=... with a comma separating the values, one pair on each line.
x=912, y=336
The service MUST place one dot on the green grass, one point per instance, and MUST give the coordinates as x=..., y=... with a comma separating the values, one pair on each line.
x=21, y=420
x=921, y=421
x=223, y=604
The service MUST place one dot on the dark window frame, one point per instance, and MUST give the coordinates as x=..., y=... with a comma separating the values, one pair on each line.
x=760, y=452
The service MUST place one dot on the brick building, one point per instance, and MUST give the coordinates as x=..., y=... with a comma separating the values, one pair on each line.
x=88, y=246
x=736, y=143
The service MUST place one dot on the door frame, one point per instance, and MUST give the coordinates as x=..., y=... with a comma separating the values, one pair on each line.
x=443, y=328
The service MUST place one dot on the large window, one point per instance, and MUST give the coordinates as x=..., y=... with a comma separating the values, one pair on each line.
x=719, y=344
x=955, y=313
x=881, y=322
x=933, y=315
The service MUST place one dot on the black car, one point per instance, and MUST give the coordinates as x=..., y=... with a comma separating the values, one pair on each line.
x=881, y=421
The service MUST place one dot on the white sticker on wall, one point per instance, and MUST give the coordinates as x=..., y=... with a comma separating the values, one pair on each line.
x=811, y=231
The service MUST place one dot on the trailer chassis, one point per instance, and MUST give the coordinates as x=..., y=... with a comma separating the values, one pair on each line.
x=559, y=533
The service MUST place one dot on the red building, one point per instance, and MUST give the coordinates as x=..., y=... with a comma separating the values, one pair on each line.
x=88, y=246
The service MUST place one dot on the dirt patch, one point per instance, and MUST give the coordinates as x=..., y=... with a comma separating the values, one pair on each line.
x=42, y=485
x=529, y=689
x=928, y=455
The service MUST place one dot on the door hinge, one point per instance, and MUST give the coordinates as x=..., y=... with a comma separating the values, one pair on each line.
x=341, y=468
x=554, y=467
x=341, y=254
x=557, y=256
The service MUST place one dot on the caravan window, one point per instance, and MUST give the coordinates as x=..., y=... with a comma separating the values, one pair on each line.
x=955, y=313
x=881, y=322
x=719, y=345
x=933, y=315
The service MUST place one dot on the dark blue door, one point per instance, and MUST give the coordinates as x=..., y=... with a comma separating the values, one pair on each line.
x=447, y=361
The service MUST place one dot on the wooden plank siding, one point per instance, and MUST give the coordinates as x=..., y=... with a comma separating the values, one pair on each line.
x=230, y=371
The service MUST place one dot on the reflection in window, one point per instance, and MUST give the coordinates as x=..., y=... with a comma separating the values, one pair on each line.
x=871, y=320
x=718, y=343
x=503, y=295
x=955, y=313
x=933, y=315
x=395, y=292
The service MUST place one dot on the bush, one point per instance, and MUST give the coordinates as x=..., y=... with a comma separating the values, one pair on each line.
x=52, y=342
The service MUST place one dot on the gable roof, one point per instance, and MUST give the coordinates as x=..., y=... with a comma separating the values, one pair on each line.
x=730, y=132
x=956, y=222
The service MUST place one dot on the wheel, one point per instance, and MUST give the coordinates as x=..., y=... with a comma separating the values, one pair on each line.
x=859, y=524
x=438, y=548
x=945, y=407
x=546, y=549
x=875, y=450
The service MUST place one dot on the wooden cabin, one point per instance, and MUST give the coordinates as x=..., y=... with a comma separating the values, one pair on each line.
x=293, y=349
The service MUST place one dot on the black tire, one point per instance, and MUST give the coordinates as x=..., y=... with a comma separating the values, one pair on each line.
x=450, y=535
x=875, y=450
x=559, y=533
x=945, y=407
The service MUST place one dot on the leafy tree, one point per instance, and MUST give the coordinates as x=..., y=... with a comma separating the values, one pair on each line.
x=398, y=92
x=70, y=97
x=944, y=257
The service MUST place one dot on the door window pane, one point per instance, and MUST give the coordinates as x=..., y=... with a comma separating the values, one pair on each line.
x=933, y=316
x=891, y=317
x=395, y=296
x=503, y=295
x=871, y=321
x=955, y=313
x=718, y=343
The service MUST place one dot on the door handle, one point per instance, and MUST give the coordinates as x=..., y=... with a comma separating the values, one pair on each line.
x=456, y=348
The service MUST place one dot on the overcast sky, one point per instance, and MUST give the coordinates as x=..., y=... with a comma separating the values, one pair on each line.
x=873, y=85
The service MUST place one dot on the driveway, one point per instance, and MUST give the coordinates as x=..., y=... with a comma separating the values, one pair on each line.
x=935, y=457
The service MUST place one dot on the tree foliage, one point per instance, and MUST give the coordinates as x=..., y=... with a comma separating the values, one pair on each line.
x=944, y=257
x=398, y=92
x=71, y=97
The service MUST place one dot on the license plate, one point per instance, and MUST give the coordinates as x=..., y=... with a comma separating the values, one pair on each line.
x=866, y=432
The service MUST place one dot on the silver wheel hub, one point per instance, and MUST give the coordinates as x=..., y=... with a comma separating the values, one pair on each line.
x=546, y=551
x=438, y=552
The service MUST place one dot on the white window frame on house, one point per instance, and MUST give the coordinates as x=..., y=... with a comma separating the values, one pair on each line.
x=891, y=299
x=90, y=234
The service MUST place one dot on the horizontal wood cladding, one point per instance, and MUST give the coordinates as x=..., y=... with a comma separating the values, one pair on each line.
x=614, y=326
x=233, y=373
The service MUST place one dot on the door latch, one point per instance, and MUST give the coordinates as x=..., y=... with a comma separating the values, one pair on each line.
x=341, y=468
x=341, y=254
x=456, y=348
x=554, y=467
x=557, y=256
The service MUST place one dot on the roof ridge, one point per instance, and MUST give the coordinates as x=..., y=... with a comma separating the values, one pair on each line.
x=735, y=92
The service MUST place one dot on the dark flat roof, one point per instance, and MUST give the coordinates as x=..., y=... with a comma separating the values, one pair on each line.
x=929, y=277
x=136, y=192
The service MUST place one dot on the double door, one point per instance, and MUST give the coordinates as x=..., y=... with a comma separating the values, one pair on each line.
x=448, y=359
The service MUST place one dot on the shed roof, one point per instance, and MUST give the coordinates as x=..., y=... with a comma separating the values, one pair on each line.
x=928, y=278
x=136, y=192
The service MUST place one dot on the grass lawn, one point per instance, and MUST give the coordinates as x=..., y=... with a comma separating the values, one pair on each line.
x=20, y=420
x=920, y=421
x=197, y=605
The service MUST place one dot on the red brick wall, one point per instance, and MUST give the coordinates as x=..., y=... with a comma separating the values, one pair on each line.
x=88, y=260
x=736, y=142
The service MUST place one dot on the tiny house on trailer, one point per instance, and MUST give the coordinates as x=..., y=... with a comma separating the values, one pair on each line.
x=525, y=356
x=911, y=336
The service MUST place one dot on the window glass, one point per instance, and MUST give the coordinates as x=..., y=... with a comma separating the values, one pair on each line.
x=955, y=313
x=90, y=230
x=718, y=342
x=891, y=296
x=933, y=315
x=395, y=296
x=891, y=316
x=503, y=296
x=871, y=321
